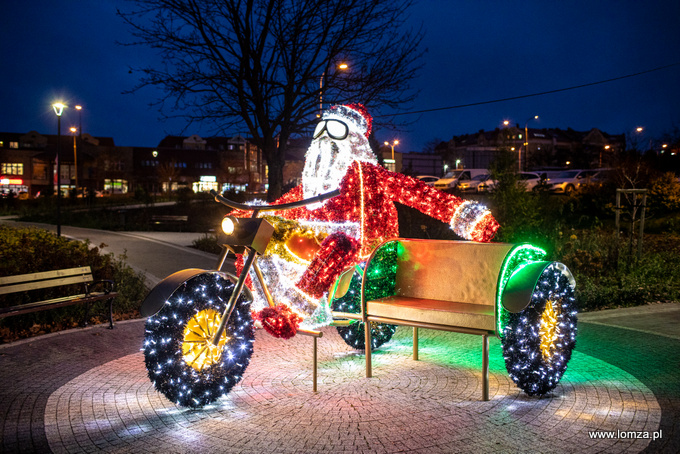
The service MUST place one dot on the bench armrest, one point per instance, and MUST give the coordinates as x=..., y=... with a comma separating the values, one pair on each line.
x=107, y=285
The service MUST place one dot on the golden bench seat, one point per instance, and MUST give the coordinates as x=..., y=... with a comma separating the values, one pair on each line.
x=431, y=311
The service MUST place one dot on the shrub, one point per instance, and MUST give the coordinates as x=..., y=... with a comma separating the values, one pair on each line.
x=608, y=275
x=207, y=243
x=27, y=250
x=664, y=194
x=532, y=217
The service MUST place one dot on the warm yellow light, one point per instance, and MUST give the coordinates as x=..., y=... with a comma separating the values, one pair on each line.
x=228, y=225
x=79, y=107
x=639, y=129
x=72, y=129
x=607, y=147
x=343, y=66
x=396, y=142
x=58, y=108
x=568, y=162
x=506, y=122
x=549, y=330
x=664, y=145
x=198, y=351
x=387, y=143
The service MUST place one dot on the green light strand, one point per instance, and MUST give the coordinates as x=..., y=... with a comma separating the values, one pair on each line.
x=521, y=254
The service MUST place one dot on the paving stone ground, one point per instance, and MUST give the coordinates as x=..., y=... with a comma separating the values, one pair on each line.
x=87, y=391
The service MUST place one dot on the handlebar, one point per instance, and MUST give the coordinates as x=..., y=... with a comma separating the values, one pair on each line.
x=283, y=206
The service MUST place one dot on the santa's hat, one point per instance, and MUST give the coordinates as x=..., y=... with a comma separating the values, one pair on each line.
x=355, y=116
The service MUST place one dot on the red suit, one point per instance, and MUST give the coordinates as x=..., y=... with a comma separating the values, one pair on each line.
x=367, y=196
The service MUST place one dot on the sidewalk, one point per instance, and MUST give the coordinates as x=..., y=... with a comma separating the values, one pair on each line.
x=156, y=254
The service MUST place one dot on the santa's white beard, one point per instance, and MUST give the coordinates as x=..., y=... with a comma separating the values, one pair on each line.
x=327, y=161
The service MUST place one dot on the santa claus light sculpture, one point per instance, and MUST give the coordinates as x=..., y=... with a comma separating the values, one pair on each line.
x=317, y=243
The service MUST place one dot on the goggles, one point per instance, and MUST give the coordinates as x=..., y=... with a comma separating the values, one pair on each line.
x=336, y=129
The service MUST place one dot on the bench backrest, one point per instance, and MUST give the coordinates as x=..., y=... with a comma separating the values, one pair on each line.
x=459, y=271
x=46, y=279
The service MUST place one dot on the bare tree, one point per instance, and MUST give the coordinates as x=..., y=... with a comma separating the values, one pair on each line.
x=268, y=64
x=167, y=172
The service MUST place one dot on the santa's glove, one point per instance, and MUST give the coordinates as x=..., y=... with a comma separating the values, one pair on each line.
x=473, y=221
x=337, y=252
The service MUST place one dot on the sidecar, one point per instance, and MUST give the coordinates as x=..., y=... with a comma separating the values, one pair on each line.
x=485, y=289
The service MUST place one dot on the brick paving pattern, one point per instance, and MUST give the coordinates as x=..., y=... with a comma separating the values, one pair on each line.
x=427, y=406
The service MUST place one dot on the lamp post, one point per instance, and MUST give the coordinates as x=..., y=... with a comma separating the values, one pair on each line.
x=526, y=141
x=342, y=66
x=394, y=163
x=394, y=142
x=80, y=121
x=606, y=147
x=58, y=109
x=75, y=156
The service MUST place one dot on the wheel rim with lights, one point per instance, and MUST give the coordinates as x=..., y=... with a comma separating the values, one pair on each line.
x=538, y=341
x=180, y=358
x=198, y=349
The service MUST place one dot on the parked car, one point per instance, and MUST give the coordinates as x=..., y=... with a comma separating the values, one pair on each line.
x=487, y=185
x=452, y=178
x=532, y=180
x=427, y=179
x=472, y=185
x=568, y=181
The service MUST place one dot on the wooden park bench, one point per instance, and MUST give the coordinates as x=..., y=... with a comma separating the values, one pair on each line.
x=53, y=279
x=457, y=286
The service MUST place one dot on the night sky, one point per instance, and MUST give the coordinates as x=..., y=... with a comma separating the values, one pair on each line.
x=477, y=51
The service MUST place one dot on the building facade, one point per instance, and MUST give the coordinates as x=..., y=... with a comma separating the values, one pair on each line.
x=28, y=164
x=535, y=148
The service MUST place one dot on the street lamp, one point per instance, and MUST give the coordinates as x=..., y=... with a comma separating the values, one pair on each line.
x=75, y=155
x=342, y=66
x=526, y=141
x=394, y=142
x=80, y=120
x=606, y=147
x=457, y=163
x=58, y=109
x=394, y=163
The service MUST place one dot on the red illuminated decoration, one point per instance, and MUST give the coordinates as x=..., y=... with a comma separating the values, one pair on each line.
x=279, y=321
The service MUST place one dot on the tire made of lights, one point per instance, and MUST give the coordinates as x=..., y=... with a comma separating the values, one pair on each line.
x=536, y=353
x=165, y=334
x=382, y=283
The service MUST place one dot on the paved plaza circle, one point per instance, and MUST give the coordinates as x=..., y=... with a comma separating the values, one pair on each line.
x=431, y=405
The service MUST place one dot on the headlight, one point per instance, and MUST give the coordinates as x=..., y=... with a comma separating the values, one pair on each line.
x=228, y=225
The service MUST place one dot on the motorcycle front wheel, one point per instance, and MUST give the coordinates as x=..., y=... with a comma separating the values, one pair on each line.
x=181, y=360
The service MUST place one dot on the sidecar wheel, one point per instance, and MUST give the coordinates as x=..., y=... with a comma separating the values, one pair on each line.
x=180, y=358
x=353, y=335
x=537, y=342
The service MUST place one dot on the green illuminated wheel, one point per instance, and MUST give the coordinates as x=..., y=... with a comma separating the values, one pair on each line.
x=354, y=334
x=180, y=358
x=537, y=342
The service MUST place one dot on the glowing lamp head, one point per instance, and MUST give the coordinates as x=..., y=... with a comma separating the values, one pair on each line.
x=228, y=225
x=253, y=233
x=58, y=108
